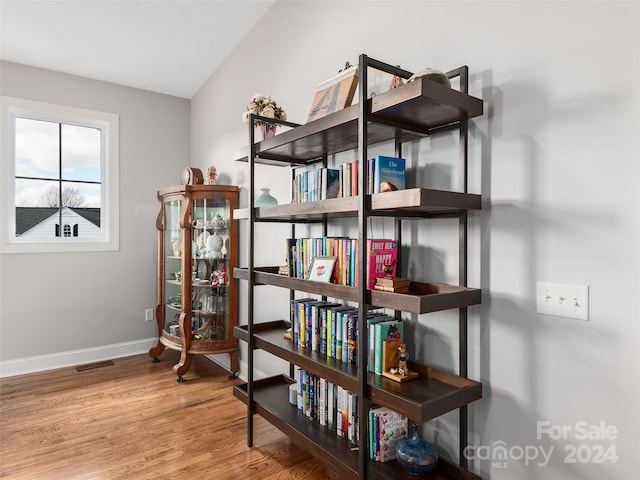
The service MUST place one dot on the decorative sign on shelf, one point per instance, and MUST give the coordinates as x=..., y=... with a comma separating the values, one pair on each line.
x=334, y=93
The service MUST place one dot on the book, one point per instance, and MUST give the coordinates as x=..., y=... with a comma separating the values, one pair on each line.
x=291, y=256
x=341, y=334
x=391, y=428
x=372, y=319
x=381, y=254
x=385, y=331
x=331, y=407
x=295, y=318
x=354, y=178
x=330, y=183
x=335, y=351
x=388, y=174
x=312, y=327
x=319, y=331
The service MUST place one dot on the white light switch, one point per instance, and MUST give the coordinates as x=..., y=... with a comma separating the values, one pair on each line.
x=571, y=301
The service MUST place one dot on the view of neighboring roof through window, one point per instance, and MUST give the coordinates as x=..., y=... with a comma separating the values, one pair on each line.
x=62, y=168
x=57, y=166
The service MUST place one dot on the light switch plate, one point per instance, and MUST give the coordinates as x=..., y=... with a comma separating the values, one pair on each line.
x=561, y=300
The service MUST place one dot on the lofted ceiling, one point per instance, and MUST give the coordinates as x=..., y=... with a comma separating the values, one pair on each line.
x=166, y=46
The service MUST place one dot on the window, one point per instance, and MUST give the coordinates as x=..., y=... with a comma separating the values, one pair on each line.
x=60, y=167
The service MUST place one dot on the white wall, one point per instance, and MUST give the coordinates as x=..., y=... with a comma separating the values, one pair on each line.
x=69, y=307
x=556, y=159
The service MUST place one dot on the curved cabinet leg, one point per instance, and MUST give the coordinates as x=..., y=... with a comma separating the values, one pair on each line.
x=234, y=364
x=183, y=365
x=156, y=351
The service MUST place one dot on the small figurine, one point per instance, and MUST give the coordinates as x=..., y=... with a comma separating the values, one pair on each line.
x=403, y=356
x=176, y=248
x=215, y=278
x=388, y=268
x=212, y=175
x=223, y=277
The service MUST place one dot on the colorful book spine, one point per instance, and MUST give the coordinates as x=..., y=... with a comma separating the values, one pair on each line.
x=354, y=178
x=385, y=331
x=372, y=320
x=296, y=309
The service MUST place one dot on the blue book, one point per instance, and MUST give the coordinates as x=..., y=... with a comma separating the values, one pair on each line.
x=333, y=315
x=319, y=332
x=389, y=173
x=330, y=183
x=295, y=318
x=341, y=340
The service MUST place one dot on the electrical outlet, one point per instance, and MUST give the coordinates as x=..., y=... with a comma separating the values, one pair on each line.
x=148, y=315
x=571, y=301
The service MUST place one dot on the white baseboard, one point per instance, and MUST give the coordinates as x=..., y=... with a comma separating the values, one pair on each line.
x=41, y=363
x=72, y=358
x=224, y=362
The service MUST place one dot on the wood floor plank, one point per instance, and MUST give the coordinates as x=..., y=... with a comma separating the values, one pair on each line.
x=132, y=421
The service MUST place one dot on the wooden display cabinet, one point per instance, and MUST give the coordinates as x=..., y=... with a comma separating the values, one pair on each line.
x=197, y=253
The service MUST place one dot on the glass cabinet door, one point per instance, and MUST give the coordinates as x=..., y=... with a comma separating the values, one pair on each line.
x=173, y=267
x=210, y=269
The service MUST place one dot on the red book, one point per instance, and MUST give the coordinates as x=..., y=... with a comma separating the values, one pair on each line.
x=381, y=253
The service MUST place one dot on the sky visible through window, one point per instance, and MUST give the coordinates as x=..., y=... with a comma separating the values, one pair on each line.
x=41, y=164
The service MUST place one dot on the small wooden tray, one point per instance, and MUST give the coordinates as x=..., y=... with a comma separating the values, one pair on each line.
x=401, y=378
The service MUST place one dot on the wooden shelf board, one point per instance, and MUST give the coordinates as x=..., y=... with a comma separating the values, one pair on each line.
x=271, y=401
x=415, y=107
x=425, y=104
x=435, y=392
x=170, y=341
x=422, y=297
x=210, y=347
x=409, y=202
x=200, y=347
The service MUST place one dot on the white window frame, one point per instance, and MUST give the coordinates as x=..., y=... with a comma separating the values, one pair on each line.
x=108, y=124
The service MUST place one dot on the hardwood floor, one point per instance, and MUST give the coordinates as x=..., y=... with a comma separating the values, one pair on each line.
x=131, y=420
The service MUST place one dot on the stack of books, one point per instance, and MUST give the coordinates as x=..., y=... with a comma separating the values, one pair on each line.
x=384, y=174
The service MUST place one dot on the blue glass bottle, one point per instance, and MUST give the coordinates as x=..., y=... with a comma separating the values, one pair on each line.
x=416, y=455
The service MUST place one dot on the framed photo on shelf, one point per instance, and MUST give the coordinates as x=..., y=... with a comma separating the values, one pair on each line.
x=321, y=269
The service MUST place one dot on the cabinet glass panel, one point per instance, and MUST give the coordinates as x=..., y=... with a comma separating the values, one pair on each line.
x=173, y=256
x=210, y=269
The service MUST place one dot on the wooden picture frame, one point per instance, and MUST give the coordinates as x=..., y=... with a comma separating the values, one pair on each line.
x=321, y=269
x=335, y=93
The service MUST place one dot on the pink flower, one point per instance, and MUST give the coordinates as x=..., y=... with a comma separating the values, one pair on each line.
x=268, y=112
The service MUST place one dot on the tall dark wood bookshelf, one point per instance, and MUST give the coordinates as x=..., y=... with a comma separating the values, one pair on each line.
x=415, y=110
